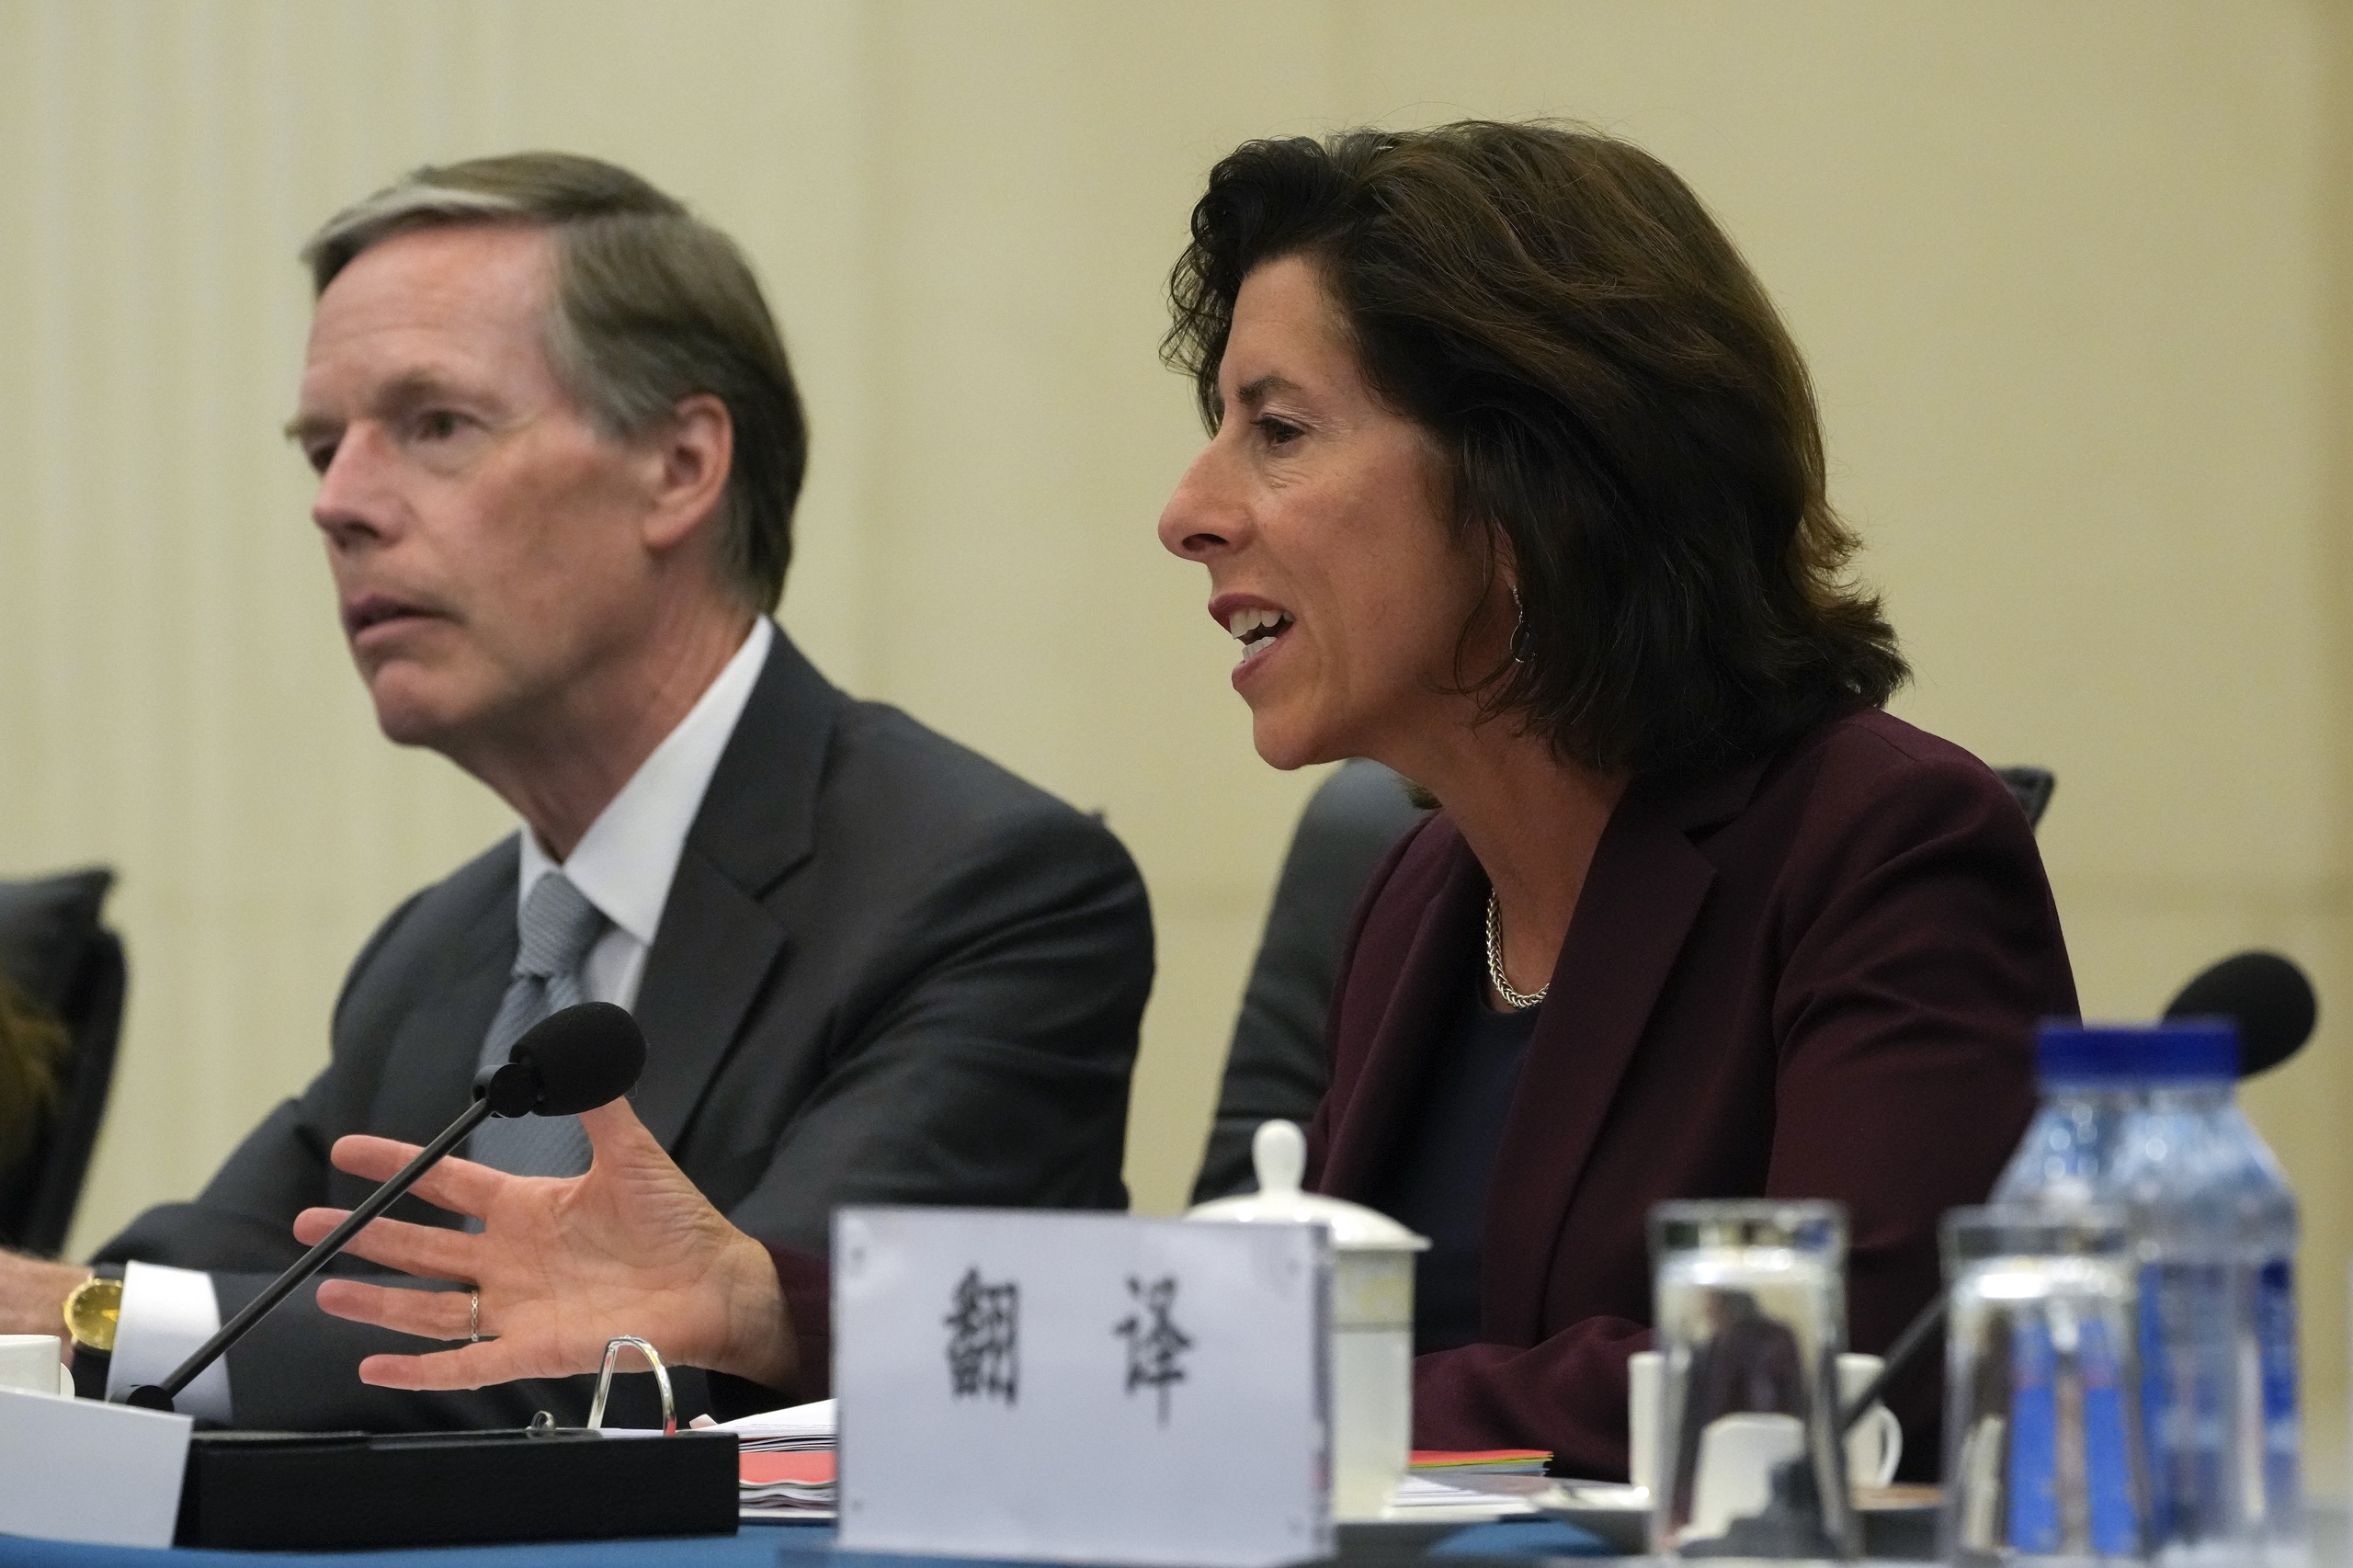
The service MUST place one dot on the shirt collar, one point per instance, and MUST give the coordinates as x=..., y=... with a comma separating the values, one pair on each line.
x=625, y=862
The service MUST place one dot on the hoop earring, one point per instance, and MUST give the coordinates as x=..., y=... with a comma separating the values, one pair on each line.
x=1518, y=629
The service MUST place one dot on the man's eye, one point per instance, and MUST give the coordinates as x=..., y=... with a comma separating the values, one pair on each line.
x=436, y=425
x=320, y=455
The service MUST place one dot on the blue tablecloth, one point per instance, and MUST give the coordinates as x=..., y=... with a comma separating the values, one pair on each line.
x=758, y=1546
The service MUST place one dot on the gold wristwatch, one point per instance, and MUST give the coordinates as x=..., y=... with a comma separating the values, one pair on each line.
x=91, y=1313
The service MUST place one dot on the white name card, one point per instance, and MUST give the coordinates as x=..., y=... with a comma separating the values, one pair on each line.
x=78, y=1470
x=1083, y=1387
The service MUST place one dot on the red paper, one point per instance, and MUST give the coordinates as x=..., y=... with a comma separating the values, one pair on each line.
x=761, y=1469
x=1442, y=1458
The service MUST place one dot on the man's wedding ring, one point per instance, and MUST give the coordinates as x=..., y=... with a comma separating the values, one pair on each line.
x=474, y=1315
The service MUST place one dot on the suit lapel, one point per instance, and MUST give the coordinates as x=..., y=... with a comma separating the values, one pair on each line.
x=719, y=946
x=1428, y=964
x=429, y=1071
x=1644, y=888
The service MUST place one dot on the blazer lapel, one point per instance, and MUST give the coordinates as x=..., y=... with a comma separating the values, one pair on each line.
x=428, y=1071
x=719, y=946
x=426, y=1077
x=1429, y=963
x=1644, y=888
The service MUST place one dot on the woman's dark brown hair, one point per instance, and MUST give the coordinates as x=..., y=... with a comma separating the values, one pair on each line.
x=1619, y=411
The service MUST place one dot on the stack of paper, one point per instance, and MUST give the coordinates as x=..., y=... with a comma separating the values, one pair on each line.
x=1419, y=1497
x=798, y=1430
x=1482, y=1461
x=787, y=1486
x=788, y=1462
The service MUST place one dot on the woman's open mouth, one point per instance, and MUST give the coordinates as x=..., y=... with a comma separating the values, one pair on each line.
x=1257, y=630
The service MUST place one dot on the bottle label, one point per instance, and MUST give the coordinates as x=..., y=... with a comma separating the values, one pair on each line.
x=2188, y=1378
x=2108, y=1450
x=2070, y=1466
x=2036, y=1526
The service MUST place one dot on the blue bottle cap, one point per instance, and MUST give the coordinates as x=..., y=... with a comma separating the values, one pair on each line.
x=2178, y=1050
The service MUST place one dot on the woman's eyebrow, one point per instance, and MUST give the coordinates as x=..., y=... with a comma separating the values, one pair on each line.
x=1254, y=392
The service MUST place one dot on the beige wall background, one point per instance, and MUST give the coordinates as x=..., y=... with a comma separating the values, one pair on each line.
x=2076, y=283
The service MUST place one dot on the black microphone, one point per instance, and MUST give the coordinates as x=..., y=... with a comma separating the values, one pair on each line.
x=567, y=1063
x=2266, y=996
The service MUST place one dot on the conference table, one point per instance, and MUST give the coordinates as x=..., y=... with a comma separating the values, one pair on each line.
x=813, y=1546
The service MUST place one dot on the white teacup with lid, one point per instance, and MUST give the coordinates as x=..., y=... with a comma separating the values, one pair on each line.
x=1372, y=1318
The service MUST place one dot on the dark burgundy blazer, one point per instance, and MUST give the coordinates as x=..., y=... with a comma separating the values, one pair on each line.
x=1816, y=976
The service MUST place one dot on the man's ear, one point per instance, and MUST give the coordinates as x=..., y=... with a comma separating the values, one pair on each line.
x=691, y=457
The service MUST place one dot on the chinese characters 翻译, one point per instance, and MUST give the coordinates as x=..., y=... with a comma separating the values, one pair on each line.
x=984, y=1339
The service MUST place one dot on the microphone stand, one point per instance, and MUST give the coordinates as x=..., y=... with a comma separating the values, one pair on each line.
x=1898, y=1360
x=510, y=1090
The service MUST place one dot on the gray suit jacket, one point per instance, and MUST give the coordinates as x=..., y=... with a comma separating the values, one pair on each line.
x=889, y=972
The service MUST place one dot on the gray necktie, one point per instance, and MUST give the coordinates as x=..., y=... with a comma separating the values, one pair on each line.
x=558, y=928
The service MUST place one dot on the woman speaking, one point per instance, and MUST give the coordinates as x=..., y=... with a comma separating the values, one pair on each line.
x=1515, y=484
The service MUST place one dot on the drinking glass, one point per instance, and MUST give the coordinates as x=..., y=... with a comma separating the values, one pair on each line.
x=1750, y=1307
x=2042, y=1429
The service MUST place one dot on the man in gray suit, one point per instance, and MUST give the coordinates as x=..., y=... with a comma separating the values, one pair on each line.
x=559, y=445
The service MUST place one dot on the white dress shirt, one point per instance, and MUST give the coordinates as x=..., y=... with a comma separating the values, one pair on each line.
x=625, y=861
x=624, y=864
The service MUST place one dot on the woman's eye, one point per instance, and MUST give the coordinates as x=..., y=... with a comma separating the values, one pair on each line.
x=1277, y=432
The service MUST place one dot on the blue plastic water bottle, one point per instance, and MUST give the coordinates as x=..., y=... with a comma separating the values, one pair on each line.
x=2143, y=1118
x=2182, y=1179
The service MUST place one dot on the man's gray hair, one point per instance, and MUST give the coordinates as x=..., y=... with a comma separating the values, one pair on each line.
x=652, y=306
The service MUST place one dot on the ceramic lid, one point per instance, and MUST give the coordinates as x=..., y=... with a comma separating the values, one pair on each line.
x=1279, y=1150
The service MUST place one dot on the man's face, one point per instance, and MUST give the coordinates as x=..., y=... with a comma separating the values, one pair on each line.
x=485, y=538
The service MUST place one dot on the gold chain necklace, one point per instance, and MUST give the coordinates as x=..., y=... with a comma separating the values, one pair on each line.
x=1517, y=1001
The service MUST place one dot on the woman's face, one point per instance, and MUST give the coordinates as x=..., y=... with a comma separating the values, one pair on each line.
x=1315, y=509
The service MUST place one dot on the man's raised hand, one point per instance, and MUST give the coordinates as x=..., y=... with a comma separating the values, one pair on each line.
x=562, y=1265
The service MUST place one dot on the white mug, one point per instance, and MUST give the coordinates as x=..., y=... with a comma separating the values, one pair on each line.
x=34, y=1363
x=1738, y=1454
x=1873, y=1448
x=1876, y=1445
